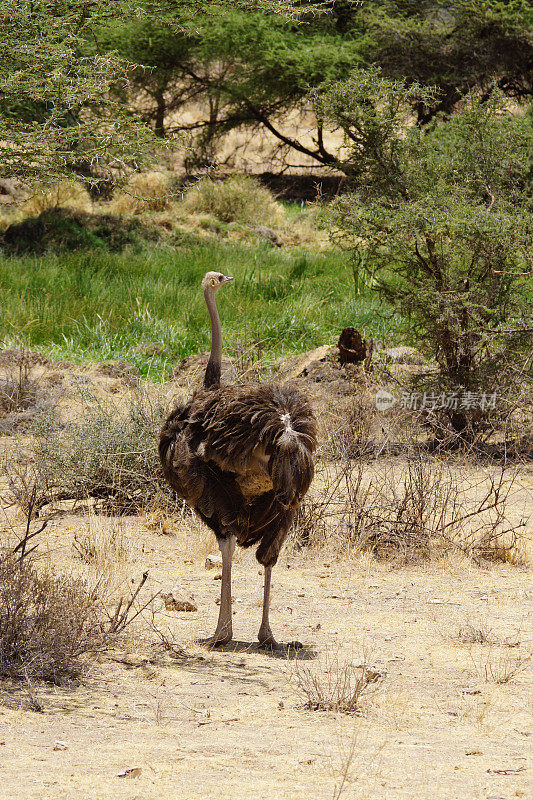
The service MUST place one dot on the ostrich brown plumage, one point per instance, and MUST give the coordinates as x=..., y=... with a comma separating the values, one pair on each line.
x=242, y=457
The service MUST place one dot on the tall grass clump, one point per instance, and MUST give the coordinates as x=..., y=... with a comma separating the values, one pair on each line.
x=64, y=194
x=145, y=191
x=237, y=199
x=335, y=685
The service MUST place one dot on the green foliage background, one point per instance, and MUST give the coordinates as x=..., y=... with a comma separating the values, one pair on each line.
x=430, y=99
x=106, y=306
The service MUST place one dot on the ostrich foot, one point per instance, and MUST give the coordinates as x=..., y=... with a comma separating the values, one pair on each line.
x=266, y=639
x=219, y=637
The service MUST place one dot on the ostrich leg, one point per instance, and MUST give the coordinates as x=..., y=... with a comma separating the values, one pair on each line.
x=224, y=630
x=265, y=636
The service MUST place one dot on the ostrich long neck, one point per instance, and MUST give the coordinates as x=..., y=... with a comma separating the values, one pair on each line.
x=213, y=369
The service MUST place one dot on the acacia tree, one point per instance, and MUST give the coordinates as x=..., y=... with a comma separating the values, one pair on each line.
x=248, y=67
x=57, y=111
x=457, y=46
x=444, y=217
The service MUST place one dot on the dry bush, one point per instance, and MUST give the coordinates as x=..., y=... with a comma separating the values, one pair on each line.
x=64, y=194
x=101, y=548
x=21, y=396
x=500, y=669
x=236, y=199
x=17, y=393
x=46, y=622
x=479, y=633
x=365, y=431
x=108, y=453
x=356, y=435
x=409, y=511
x=334, y=685
x=145, y=191
x=475, y=634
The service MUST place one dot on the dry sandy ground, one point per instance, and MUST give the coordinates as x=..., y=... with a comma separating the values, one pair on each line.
x=449, y=718
x=230, y=724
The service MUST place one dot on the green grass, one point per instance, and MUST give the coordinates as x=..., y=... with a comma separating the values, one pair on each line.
x=96, y=305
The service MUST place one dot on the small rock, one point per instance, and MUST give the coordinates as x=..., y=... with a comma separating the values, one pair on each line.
x=173, y=602
x=401, y=355
x=212, y=562
x=59, y=745
x=268, y=235
x=130, y=773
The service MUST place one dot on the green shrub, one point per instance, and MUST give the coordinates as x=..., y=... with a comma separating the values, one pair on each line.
x=441, y=221
x=145, y=191
x=63, y=194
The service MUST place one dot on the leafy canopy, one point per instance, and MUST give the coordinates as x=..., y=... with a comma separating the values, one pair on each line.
x=249, y=67
x=57, y=111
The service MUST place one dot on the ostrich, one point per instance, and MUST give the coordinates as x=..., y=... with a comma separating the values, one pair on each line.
x=242, y=457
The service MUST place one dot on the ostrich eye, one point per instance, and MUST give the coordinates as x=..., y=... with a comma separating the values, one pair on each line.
x=220, y=278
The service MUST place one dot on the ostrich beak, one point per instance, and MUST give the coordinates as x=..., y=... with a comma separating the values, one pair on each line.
x=227, y=278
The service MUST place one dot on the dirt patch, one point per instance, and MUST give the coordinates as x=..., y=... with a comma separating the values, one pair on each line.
x=444, y=717
x=215, y=724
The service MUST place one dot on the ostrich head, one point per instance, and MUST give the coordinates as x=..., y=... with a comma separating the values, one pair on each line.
x=213, y=281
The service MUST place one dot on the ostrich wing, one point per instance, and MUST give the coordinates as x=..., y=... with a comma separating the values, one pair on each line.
x=261, y=431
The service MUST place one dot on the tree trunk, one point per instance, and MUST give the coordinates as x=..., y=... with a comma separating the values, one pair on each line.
x=159, y=128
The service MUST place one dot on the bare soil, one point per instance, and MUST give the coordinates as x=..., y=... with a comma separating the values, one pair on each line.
x=222, y=724
x=449, y=716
